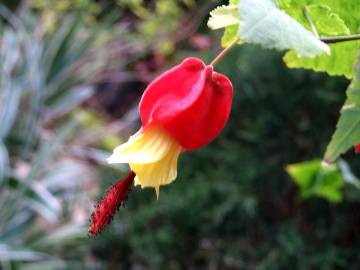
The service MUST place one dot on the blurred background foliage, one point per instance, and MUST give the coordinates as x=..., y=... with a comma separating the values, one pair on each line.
x=71, y=74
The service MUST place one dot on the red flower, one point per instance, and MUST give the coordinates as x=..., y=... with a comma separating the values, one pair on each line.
x=183, y=109
x=190, y=101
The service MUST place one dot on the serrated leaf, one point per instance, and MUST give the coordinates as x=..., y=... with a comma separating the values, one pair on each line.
x=326, y=21
x=272, y=28
x=223, y=16
x=339, y=63
x=230, y=34
x=347, y=132
x=228, y=17
x=330, y=17
x=349, y=12
x=313, y=179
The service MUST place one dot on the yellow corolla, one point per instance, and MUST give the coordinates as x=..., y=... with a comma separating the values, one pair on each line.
x=152, y=155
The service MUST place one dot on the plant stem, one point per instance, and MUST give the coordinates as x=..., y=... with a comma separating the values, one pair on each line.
x=223, y=52
x=312, y=25
x=336, y=39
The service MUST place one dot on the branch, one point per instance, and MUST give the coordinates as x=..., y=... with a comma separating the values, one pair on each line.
x=336, y=39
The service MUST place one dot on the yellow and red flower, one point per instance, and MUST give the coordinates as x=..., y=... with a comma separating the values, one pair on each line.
x=182, y=110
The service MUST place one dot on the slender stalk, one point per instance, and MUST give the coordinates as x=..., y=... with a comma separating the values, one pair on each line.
x=312, y=25
x=223, y=52
x=336, y=39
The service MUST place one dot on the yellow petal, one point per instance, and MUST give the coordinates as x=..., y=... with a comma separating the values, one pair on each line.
x=146, y=146
x=161, y=172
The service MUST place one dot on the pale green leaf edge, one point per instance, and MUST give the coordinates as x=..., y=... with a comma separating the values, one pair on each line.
x=347, y=132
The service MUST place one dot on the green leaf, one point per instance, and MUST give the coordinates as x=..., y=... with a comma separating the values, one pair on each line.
x=322, y=16
x=347, y=132
x=313, y=179
x=330, y=18
x=223, y=16
x=339, y=63
x=272, y=28
x=349, y=12
x=228, y=17
x=231, y=31
x=230, y=35
x=326, y=21
x=265, y=25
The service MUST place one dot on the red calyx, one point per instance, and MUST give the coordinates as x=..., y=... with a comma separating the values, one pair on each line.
x=357, y=148
x=108, y=206
x=190, y=101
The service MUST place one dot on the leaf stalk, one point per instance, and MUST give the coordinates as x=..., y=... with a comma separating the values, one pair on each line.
x=337, y=39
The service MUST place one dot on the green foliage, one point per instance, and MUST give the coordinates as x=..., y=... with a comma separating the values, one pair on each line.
x=325, y=21
x=340, y=62
x=230, y=35
x=224, y=16
x=314, y=179
x=267, y=26
x=347, y=132
x=348, y=13
x=329, y=18
x=270, y=27
x=231, y=32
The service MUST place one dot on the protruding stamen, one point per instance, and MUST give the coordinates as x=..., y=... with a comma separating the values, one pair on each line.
x=111, y=202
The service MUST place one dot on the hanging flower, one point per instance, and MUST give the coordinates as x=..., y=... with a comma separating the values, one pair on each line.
x=182, y=110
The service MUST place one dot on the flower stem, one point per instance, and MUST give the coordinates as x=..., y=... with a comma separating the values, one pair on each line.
x=336, y=39
x=223, y=52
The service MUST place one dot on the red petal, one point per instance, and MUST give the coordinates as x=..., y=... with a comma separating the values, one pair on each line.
x=108, y=206
x=173, y=91
x=191, y=102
